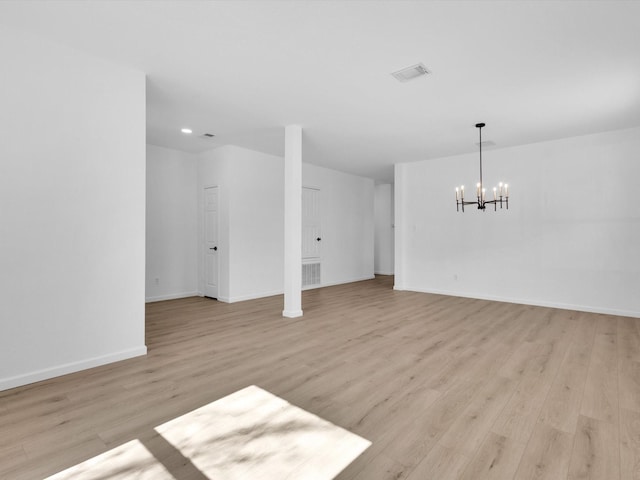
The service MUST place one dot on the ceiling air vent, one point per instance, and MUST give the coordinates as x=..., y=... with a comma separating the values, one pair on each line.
x=410, y=73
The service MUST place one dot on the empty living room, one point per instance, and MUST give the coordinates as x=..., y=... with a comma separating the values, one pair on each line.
x=287, y=239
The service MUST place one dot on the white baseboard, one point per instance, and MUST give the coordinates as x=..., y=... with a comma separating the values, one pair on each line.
x=47, y=373
x=341, y=282
x=384, y=273
x=522, y=301
x=172, y=296
x=251, y=296
x=350, y=280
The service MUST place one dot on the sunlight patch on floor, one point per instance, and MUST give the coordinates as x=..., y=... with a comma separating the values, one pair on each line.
x=254, y=434
x=250, y=434
x=129, y=460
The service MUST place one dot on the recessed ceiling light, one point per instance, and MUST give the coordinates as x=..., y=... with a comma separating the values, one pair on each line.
x=186, y=130
x=410, y=73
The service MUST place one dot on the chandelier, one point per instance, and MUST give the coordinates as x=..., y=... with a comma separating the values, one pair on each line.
x=500, y=193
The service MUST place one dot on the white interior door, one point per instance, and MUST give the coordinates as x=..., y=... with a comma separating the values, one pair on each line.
x=311, y=237
x=211, y=242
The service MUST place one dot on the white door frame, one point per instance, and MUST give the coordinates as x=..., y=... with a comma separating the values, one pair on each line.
x=316, y=259
x=203, y=240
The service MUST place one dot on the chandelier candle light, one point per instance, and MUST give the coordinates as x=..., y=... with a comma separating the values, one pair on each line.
x=500, y=193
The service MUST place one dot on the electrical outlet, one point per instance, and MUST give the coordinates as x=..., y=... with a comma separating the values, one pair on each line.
x=157, y=281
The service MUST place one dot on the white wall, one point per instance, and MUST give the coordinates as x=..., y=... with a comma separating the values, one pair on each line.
x=347, y=224
x=570, y=238
x=384, y=234
x=172, y=224
x=256, y=224
x=72, y=209
x=251, y=189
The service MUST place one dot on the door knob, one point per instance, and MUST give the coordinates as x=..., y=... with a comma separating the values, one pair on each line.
x=318, y=239
x=213, y=248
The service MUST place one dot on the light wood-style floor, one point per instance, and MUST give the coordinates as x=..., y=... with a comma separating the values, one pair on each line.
x=444, y=387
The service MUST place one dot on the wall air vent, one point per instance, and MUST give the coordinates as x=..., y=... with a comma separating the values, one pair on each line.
x=310, y=274
x=207, y=135
x=410, y=73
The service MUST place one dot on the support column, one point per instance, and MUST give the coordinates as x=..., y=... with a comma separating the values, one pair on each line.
x=292, y=221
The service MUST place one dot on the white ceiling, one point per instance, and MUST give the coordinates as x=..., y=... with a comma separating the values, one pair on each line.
x=533, y=71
